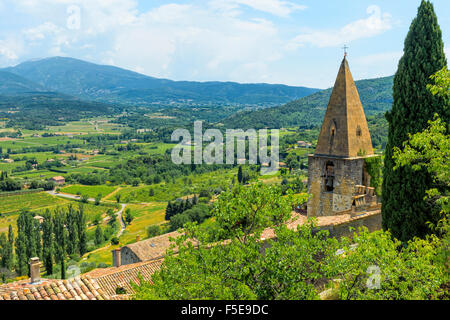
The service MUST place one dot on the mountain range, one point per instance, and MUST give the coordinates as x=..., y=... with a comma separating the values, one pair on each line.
x=109, y=84
x=308, y=112
x=70, y=89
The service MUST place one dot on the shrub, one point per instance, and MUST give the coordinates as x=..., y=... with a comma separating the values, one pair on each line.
x=153, y=231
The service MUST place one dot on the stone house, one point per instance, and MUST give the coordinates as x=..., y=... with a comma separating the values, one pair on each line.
x=58, y=180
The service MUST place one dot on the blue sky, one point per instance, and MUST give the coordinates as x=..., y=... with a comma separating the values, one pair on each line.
x=294, y=42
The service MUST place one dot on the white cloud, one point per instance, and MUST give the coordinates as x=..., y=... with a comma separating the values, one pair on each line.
x=40, y=32
x=193, y=39
x=10, y=50
x=172, y=40
x=375, y=24
x=275, y=7
x=378, y=58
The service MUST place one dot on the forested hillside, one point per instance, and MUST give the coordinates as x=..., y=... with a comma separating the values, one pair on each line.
x=12, y=84
x=35, y=111
x=308, y=112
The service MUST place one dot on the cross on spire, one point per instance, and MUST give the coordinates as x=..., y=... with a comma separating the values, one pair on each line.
x=345, y=50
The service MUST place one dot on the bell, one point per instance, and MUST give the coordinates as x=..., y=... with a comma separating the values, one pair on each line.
x=329, y=182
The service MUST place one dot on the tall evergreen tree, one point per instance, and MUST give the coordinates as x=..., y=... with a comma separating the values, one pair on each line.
x=21, y=254
x=60, y=235
x=6, y=246
x=98, y=236
x=72, y=228
x=48, y=242
x=82, y=236
x=240, y=175
x=3, y=244
x=405, y=212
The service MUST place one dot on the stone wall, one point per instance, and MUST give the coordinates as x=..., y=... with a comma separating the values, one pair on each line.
x=347, y=174
x=370, y=220
x=126, y=257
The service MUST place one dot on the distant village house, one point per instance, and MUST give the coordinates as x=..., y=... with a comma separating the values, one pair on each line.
x=58, y=180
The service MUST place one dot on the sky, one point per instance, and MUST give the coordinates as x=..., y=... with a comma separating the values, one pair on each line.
x=293, y=42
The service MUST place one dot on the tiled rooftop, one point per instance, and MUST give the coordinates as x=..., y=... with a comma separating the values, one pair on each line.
x=112, y=278
x=101, y=284
x=80, y=288
x=153, y=248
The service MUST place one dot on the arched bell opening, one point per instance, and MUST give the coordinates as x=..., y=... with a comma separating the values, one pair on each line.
x=329, y=176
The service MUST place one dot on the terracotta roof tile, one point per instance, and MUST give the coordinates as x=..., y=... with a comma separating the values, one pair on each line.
x=153, y=248
x=83, y=288
x=110, y=279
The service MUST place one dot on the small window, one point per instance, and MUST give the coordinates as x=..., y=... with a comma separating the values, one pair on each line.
x=358, y=131
x=333, y=128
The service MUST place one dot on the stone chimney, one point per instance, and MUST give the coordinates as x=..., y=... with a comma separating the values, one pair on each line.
x=117, y=259
x=35, y=270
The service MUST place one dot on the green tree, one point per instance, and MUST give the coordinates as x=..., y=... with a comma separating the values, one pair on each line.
x=128, y=216
x=98, y=199
x=375, y=266
x=82, y=233
x=48, y=242
x=99, y=236
x=292, y=161
x=63, y=269
x=21, y=254
x=404, y=211
x=6, y=252
x=236, y=269
x=430, y=150
x=240, y=175
x=153, y=231
x=84, y=198
x=59, y=220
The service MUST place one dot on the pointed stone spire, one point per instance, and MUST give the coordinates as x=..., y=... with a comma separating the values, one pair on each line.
x=345, y=132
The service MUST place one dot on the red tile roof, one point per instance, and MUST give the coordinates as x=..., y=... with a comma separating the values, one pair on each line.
x=80, y=288
x=110, y=279
x=153, y=248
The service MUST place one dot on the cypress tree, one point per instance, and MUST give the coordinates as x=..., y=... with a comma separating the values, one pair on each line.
x=98, y=236
x=21, y=254
x=404, y=211
x=48, y=242
x=3, y=244
x=63, y=269
x=6, y=246
x=81, y=223
x=240, y=175
x=60, y=235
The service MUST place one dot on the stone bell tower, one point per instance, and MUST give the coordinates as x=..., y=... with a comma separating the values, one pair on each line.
x=337, y=178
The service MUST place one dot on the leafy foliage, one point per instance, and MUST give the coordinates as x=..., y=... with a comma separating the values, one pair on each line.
x=405, y=211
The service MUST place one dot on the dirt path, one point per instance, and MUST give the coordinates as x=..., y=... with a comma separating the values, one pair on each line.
x=112, y=193
x=118, y=214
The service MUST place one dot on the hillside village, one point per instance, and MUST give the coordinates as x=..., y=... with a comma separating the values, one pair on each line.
x=353, y=204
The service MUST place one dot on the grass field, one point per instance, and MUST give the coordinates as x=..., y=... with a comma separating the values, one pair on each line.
x=90, y=191
x=38, y=203
x=30, y=201
x=182, y=187
x=144, y=216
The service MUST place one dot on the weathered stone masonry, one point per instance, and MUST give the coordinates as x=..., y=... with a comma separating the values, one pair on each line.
x=337, y=177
